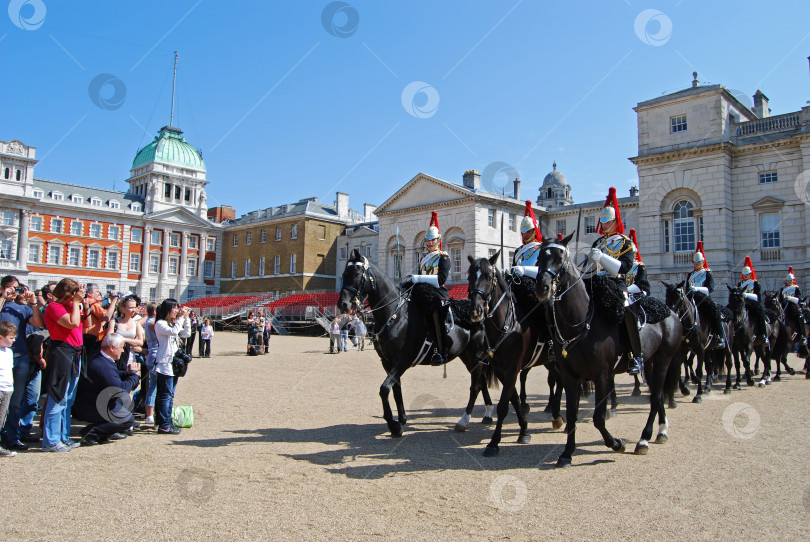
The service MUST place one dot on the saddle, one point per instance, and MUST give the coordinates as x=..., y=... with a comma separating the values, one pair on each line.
x=609, y=299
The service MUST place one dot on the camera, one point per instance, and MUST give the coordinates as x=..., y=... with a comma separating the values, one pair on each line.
x=182, y=356
x=19, y=289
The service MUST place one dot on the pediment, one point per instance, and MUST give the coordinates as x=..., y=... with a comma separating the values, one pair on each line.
x=768, y=202
x=423, y=190
x=180, y=216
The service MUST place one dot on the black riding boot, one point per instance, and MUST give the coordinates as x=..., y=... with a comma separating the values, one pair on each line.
x=635, y=361
x=763, y=331
x=718, y=330
x=439, y=356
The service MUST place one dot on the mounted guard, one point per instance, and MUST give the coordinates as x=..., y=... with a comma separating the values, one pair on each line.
x=791, y=294
x=700, y=283
x=526, y=255
x=615, y=253
x=753, y=293
x=434, y=269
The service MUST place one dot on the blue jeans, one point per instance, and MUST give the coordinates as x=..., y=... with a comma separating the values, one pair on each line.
x=151, y=393
x=23, y=404
x=344, y=339
x=164, y=401
x=56, y=426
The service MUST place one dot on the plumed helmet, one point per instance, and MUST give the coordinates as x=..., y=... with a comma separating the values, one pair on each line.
x=699, y=256
x=433, y=233
x=529, y=221
x=748, y=269
x=611, y=212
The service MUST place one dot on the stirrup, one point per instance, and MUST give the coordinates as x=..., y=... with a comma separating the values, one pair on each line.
x=437, y=359
x=721, y=342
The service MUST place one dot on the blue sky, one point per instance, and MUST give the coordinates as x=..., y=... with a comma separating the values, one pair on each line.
x=289, y=100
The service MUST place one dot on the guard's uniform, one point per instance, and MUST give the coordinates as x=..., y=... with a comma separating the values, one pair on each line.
x=436, y=263
x=750, y=286
x=700, y=283
x=526, y=255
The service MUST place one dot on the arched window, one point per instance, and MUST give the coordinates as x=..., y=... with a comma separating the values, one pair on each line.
x=683, y=227
x=549, y=193
x=19, y=175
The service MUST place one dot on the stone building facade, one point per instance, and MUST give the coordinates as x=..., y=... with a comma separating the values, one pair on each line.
x=712, y=169
x=153, y=240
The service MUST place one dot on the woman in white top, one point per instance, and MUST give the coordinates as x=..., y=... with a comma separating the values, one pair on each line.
x=130, y=329
x=171, y=324
x=206, y=334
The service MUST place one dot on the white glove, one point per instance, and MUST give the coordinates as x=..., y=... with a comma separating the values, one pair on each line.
x=701, y=289
x=433, y=280
x=792, y=299
x=610, y=264
x=596, y=255
x=634, y=289
x=751, y=296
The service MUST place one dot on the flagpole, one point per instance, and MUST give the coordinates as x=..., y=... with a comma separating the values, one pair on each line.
x=398, y=263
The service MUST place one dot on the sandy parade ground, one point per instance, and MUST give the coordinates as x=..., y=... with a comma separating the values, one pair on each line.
x=292, y=445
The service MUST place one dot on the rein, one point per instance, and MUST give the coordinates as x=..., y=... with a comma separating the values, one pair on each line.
x=489, y=313
x=554, y=328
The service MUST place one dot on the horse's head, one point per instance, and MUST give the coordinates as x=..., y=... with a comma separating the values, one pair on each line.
x=674, y=297
x=772, y=303
x=357, y=282
x=736, y=301
x=481, y=279
x=551, y=263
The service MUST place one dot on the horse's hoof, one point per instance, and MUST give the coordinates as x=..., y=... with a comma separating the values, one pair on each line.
x=685, y=391
x=761, y=384
x=459, y=428
x=697, y=399
x=396, y=431
x=807, y=375
x=556, y=423
x=487, y=420
x=524, y=439
x=641, y=449
x=756, y=372
x=525, y=409
x=726, y=391
x=791, y=371
x=547, y=409
x=620, y=446
x=613, y=413
x=564, y=463
x=491, y=451
x=777, y=378
x=737, y=386
x=707, y=391
x=695, y=381
x=672, y=404
x=749, y=382
x=403, y=421
x=661, y=439
x=636, y=392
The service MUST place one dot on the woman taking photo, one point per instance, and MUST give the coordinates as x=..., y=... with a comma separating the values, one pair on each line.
x=171, y=324
x=130, y=329
x=63, y=319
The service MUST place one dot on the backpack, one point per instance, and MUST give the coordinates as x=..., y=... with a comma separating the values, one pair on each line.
x=253, y=351
x=183, y=416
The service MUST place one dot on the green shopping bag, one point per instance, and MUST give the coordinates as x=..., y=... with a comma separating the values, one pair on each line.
x=183, y=416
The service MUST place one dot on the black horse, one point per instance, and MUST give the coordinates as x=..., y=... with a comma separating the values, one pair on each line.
x=742, y=345
x=400, y=337
x=589, y=346
x=515, y=341
x=790, y=318
x=698, y=340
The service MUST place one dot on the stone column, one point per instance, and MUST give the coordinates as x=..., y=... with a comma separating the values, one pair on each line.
x=147, y=246
x=164, y=268
x=181, y=269
x=22, y=239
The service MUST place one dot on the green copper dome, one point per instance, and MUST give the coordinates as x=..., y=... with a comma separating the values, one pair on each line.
x=169, y=146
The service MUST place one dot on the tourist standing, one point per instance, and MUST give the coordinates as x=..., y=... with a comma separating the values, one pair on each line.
x=206, y=334
x=171, y=324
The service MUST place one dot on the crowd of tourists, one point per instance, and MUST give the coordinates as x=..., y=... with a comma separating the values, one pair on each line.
x=69, y=351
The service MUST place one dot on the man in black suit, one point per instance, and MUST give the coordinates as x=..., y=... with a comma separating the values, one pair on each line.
x=103, y=395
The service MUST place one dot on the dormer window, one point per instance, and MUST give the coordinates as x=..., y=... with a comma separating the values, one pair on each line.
x=57, y=196
x=75, y=198
x=677, y=124
x=95, y=202
x=39, y=193
x=113, y=204
x=136, y=207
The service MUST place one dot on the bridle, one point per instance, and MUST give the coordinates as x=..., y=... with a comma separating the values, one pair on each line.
x=356, y=292
x=486, y=297
x=554, y=298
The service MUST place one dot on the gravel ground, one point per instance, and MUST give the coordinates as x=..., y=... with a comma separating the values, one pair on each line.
x=292, y=445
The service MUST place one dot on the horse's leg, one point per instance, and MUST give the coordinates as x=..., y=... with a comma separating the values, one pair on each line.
x=710, y=370
x=475, y=387
x=727, y=359
x=571, y=410
x=636, y=387
x=693, y=376
x=614, y=399
x=503, y=409
x=756, y=363
x=603, y=385
x=656, y=384
x=391, y=381
x=778, y=360
x=699, y=377
x=488, y=406
x=524, y=406
x=553, y=380
x=397, y=389
x=523, y=437
x=555, y=397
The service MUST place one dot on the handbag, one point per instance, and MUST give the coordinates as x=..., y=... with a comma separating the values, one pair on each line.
x=180, y=362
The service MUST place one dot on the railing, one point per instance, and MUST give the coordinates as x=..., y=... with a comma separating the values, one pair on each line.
x=682, y=258
x=770, y=255
x=769, y=124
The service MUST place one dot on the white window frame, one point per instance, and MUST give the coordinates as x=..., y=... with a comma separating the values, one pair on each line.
x=78, y=223
x=491, y=218
x=193, y=241
x=57, y=196
x=174, y=240
x=276, y=264
x=208, y=269
x=134, y=262
x=156, y=238
x=770, y=238
x=174, y=265
x=61, y=223
x=235, y=240
x=9, y=218
x=95, y=202
x=38, y=226
x=114, y=204
x=263, y=236
x=154, y=263
x=91, y=254
x=233, y=269
x=136, y=207
x=51, y=247
x=278, y=233
x=191, y=267
x=108, y=261
x=117, y=230
x=93, y=227
x=248, y=237
x=677, y=124
x=261, y=266
x=293, y=262
x=6, y=249
x=39, y=193
x=136, y=235
x=76, y=198
x=247, y=267
x=38, y=247
x=75, y=250
x=294, y=231
x=210, y=244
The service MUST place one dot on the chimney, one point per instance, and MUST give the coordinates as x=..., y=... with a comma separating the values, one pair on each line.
x=472, y=179
x=368, y=212
x=516, y=184
x=761, y=108
x=633, y=192
x=342, y=205
x=694, y=80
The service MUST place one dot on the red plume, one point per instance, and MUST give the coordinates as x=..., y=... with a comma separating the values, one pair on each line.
x=559, y=237
x=699, y=248
x=529, y=211
x=434, y=221
x=612, y=201
x=749, y=264
x=790, y=270
x=633, y=238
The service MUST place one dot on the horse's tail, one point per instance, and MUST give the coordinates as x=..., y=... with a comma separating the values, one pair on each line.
x=586, y=388
x=490, y=377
